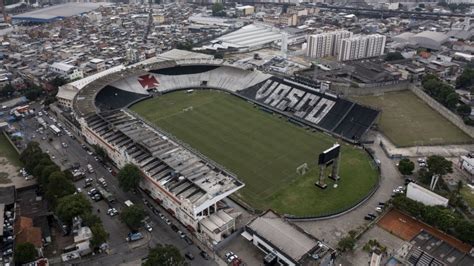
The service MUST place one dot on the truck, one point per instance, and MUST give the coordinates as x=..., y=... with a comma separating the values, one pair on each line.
x=134, y=236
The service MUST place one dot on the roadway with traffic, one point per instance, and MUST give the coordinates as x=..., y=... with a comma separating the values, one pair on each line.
x=120, y=251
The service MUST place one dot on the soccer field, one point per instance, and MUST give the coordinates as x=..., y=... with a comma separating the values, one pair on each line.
x=263, y=150
x=408, y=121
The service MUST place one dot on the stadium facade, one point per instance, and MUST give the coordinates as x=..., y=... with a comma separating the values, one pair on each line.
x=186, y=183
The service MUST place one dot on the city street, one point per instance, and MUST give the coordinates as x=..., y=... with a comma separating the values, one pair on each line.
x=120, y=250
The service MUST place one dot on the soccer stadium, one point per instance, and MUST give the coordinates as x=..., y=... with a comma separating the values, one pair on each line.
x=203, y=129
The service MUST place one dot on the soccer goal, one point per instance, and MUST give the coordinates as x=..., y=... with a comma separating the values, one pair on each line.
x=302, y=169
x=190, y=108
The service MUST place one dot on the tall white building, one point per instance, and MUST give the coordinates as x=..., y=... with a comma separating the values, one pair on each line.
x=326, y=44
x=361, y=47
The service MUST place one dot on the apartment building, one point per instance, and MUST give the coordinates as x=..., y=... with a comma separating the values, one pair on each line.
x=360, y=47
x=326, y=44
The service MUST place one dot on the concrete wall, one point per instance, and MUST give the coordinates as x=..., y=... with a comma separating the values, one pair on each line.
x=375, y=89
x=448, y=114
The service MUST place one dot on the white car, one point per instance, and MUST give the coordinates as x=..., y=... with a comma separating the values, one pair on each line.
x=378, y=209
x=112, y=212
x=148, y=227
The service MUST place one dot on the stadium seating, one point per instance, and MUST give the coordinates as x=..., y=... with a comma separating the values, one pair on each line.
x=301, y=101
x=110, y=98
x=306, y=104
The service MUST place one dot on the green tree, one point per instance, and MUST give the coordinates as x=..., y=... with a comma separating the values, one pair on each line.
x=463, y=109
x=129, y=177
x=406, y=167
x=347, y=243
x=58, y=187
x=7, y=91
x=438, y=165
x=166, y=255
x=72, y=205
x=25, y=252
x=466, y=79
x=47, y=171
x=100, y=152
x=90, y=219
x=58, y=81
x=392, y=56
x=218, y=10
x=99, y=235
x=132, y=216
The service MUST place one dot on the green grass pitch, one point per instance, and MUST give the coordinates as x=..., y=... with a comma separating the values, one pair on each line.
x=263, y=150
x=408, y=121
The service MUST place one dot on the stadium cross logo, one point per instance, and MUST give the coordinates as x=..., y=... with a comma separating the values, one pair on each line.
x=148, y=81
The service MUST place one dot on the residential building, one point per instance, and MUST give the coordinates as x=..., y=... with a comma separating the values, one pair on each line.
x=360, y=47
x=326, y=44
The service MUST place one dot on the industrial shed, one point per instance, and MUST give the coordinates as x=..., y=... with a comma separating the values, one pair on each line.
x=430, y=39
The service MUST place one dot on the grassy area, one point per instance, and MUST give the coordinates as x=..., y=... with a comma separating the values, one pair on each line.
x=262, y=149
x=7, y=151
x=408, y=121
x=468, y=195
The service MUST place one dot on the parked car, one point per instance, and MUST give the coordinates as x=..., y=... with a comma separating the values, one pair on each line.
x=112, y=212
x=188, y=240
x=189, y=255
x=148, y=227
x=174, y=228
x=204, y=255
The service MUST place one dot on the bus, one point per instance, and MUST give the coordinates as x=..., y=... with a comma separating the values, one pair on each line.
x=55, y=129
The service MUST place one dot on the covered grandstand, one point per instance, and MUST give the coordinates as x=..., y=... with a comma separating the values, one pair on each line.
x=57, y=12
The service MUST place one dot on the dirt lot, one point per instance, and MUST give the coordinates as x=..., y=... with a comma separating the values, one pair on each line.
x=406, y=228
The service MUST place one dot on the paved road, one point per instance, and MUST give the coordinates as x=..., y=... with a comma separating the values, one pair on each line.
x=120, y=250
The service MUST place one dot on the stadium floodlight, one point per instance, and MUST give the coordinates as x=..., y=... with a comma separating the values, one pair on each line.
x=327, y=158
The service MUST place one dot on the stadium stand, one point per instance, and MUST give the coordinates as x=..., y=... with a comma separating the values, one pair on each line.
x=110, y=98
x=302, y=102
x=307, y=104
x=184, y=70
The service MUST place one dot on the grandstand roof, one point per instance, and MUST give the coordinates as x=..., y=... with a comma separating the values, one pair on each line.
x=56, y=12
x=283, y=235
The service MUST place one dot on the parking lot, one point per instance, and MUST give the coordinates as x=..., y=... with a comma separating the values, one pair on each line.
x=69, y=150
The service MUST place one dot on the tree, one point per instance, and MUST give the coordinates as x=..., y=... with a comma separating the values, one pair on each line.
x=218, y=10
x=25, y=252
x=58, y=81
x=466, y=79
x=101, y=153
x=166, y=255
x=463, y=109
x=347, y=243
x=72, y=205
x=99, y=235
x=129, y=177
x=132, y=216
x=58, y=187
x=406, y=167
x=7, y=91
x=185, y=46
x=392, y=56
x=47, y=171
x=438, y=165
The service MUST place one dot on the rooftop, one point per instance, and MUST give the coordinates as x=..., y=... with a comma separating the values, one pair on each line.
x=283, y=235
x=59, y=11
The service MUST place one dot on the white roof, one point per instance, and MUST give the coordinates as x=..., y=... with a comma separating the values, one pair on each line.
x=79, y=84
x=63, y=10
x=97, y=60
x=283, y=235
x=62, y=66
x=251, y=35
x=432, y=35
